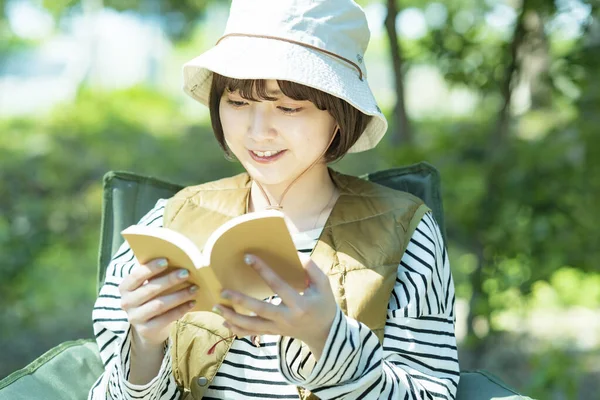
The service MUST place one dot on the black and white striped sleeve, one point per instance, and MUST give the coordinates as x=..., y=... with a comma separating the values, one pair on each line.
x=113, y=333
x=418, y=359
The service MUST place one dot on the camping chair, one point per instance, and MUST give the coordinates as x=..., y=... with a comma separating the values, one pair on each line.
x=69, y=370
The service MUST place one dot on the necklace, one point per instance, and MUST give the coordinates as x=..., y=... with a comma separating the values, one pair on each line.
x=325, y=208
x=329, y=202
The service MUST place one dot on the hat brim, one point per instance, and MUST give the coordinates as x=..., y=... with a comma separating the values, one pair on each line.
x=260, y=58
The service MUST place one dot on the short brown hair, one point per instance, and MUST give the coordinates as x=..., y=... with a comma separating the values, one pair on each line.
x=351, y=121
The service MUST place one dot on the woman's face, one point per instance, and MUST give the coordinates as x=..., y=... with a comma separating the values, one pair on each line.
x=295, y=133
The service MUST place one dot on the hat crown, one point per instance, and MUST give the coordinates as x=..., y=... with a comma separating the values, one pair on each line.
x=338, y=26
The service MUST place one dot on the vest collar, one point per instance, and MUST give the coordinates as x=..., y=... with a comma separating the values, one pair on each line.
x=349, y=187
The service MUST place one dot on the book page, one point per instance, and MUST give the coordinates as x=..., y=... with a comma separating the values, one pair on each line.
x=264, y=234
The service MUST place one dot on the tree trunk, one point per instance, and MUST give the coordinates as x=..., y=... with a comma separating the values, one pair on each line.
x=401, y=133
x=500, y=133
x=497, y=146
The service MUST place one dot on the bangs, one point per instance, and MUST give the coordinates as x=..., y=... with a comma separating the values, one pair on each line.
x=256, y=90
x=351, y=122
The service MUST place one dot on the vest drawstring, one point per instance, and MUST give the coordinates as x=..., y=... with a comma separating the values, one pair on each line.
x=214, y=346
x=277, y=205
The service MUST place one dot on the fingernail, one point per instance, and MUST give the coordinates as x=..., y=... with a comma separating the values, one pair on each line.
x=192, y=303
x=183, y=273
x=217, y=310
x=226, y=295
x=248, y=259
x=193, y=289
x=162, y=263
x=226, y=325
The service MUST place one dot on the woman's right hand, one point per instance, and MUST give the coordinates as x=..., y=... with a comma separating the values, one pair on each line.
x=150, y=312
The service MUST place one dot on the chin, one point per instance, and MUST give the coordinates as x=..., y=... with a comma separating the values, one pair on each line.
x=269, y=174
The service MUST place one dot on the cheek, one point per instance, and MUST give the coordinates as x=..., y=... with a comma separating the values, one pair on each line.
x=231, y=122
x=308, y=142
x=315, y=135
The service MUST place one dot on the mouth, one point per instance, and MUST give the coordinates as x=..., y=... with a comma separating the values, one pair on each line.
x=265, y=157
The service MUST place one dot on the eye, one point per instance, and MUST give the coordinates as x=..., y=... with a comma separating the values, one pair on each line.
x=288, y=110
x=235, y=103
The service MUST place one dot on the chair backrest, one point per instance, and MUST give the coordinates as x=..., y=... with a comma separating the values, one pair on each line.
x=128, y=197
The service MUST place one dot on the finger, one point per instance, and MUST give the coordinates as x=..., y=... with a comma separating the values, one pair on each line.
x=317, y=277
x=153, y=288
x=174, y=314
x=261, y=308
x=161, y=305
x=141, y=273
x=245, y=322
x=288, y=294
x=238, y=331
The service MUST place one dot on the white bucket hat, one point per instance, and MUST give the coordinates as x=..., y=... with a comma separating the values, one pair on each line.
x=316, y=43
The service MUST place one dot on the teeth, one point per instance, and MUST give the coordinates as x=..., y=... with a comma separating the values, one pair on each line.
x=266, y=153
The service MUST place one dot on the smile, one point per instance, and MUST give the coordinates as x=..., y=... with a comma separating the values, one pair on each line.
x=266, y=156
x=266, y=153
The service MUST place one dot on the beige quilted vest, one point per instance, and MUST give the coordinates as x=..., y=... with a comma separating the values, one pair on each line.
x=360, y=248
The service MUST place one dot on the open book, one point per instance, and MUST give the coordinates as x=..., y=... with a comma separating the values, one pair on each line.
x=220, y=265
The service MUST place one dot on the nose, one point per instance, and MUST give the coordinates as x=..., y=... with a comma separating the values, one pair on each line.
x=260, y=126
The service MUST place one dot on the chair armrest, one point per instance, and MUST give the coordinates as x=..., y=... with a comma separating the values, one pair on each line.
x=481, y=385
x=66, y=372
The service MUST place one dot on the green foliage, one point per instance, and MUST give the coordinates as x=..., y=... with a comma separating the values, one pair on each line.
x=567, y=287
x=50, y=175
x=520, y=196
x=557, y=375
x=179, y=16
x=538, y=222
x=521, y=216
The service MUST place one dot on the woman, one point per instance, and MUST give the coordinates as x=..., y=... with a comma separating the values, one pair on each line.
x=287, y=92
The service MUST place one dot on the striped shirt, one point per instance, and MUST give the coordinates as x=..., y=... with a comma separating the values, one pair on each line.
x=418, y=358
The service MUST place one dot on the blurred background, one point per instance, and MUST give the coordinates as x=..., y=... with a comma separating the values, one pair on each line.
x=502, y=96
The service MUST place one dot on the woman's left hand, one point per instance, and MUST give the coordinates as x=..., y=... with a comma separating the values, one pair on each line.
x=307, y=317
